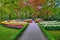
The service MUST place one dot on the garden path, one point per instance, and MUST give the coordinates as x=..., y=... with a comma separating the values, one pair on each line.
x=33, y=32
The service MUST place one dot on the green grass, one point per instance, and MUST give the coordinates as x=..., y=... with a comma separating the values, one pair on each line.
x=49, y=36
x=9, y=33
x=55, y=34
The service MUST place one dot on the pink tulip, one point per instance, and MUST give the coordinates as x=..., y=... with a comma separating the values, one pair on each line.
x=19, y=27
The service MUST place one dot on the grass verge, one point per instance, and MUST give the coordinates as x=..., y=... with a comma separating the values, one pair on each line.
x=49, y=36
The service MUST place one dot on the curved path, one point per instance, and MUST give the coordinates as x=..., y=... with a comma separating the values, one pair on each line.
x=33, y=32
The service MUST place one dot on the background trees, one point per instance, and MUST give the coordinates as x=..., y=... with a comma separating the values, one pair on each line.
x=14, y=9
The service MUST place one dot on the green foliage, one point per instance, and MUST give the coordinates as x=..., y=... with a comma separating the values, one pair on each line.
x=10, y=33
x=55, y=34
x=50, y=37
x=7, y=7
x=52, y=27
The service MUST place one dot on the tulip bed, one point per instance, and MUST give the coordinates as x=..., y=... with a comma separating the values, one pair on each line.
x=7, y=33
x=38, y=20
x=13, y=23
x=28, y=20
x=51, y=25
x=51, y=29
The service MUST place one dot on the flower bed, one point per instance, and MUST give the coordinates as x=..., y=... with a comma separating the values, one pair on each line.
x=51, y=25
x=38, y=20
x=51, y=30
x=14, y=24
x=28, y=20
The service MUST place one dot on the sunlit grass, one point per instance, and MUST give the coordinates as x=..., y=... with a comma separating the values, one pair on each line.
x=7, y=33
x=55, y=34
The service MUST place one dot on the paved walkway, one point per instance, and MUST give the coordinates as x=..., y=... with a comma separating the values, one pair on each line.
x=33, y=32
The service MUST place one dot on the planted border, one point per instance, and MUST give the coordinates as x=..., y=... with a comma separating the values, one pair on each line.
x=20, y=32
x=50, y=37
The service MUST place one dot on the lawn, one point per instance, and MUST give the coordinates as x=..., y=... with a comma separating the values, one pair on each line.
x=9, y=33
x=55, y=34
